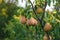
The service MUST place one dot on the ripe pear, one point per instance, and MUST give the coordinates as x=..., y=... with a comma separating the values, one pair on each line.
x=47, y=27
x=28, y=22
x=32, y=21
x=39, y=10
x=23, y=19
x=46, y=37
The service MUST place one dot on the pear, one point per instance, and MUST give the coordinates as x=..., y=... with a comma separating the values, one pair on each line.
x=46, y=37
x=22, y=19
x=47, y=27
x=32, y=21
x=39, y=10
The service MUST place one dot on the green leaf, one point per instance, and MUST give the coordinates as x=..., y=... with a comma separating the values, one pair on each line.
x=48, y=2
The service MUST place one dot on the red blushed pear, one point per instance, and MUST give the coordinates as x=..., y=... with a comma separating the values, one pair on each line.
x=23, y=19
x=32, y=21
x=28, y=22
x=47, y=27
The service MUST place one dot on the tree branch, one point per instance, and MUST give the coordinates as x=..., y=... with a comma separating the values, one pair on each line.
x=41, y=19
x=35, y=13
x=42, y=22
x=44, y=11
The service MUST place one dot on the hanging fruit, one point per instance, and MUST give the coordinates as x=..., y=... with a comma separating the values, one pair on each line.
x=39, y=10
x=32, y=21
x=28, y=22
x=23, y=19
x=46, y=37
x=47, y=27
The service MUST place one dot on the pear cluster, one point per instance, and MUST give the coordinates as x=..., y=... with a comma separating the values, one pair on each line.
x=31, y=21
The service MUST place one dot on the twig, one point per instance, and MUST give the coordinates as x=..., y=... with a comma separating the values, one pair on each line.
x=44, y=11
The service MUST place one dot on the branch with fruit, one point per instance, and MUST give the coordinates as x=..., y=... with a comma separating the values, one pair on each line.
x=47, y=26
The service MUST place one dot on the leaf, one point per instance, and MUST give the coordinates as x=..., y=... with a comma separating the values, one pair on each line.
x=48, y=2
